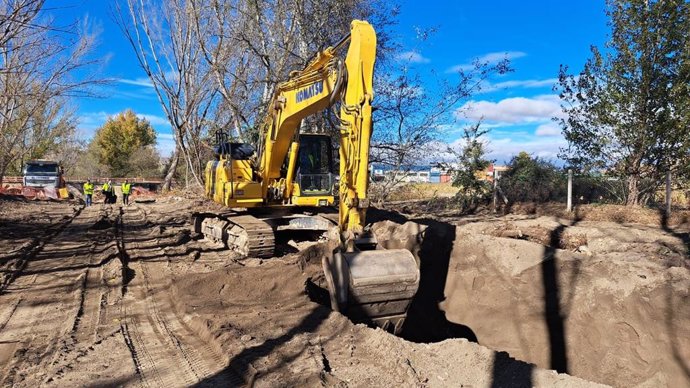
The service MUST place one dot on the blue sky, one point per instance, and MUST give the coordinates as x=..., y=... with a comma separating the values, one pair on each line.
x=538, y=36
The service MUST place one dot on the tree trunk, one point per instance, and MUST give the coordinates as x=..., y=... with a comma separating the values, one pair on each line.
x=3, y=171
x=167, y=182
x=633, y=191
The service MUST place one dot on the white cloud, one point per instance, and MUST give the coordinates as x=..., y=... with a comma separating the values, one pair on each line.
x=412, y=57
x=499, y=56
x=504, y=145
x=525, y=84
x=489, y=58
x=138, y=82
x=88, y=122
x=513, y=110
x=155, y=120
x=529, y=83
x=503, y=149
x=518, y=124
x=548, y=129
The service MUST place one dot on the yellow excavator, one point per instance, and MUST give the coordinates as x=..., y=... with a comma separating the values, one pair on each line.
x=294, y=171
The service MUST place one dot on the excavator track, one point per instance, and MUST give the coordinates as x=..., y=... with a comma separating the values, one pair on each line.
x=251, y=236
x=245, y=234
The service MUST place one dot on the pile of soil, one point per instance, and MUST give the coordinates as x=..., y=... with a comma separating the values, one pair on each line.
x=606, y=213
x=448, y=209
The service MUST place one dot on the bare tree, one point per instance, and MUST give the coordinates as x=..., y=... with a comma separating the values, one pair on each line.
x=409, y=119
x=166, y=41
x=242, y=50
x=38, y=63
x=255, y=44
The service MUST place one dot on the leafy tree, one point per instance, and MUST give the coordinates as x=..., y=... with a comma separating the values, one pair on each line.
x=120, y=138
x=531, y=179
x=628, y=112
x=472, y=163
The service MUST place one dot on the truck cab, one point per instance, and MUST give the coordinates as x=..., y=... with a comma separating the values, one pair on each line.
x=42, y=173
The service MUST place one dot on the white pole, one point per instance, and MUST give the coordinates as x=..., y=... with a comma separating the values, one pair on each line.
x=570, y=190
x=668, y=192
x=495, y=190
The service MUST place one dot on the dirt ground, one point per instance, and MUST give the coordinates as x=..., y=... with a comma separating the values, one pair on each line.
x=126, y=296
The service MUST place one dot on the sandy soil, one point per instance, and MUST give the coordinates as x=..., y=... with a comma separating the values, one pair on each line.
x=127, y=297
x=604, y=301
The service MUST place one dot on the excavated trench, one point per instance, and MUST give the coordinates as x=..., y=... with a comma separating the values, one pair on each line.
x=605, y=302
x=608, y=303
x=431, y=244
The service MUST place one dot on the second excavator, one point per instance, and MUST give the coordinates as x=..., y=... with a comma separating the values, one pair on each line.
x=293, y=170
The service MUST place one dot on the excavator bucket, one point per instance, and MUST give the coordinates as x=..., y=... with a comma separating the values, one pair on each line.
x=375, y=286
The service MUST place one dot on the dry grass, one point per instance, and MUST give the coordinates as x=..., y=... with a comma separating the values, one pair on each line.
x=413, y=191
x=608, y=213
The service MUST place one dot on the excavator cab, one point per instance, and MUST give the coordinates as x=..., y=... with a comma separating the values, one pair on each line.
x=314, y=178
x=314, y=172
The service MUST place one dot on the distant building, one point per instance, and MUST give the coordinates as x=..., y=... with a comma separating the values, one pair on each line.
x=443, y=172
x=415, y=174
x=494, y=171
x=436, y=172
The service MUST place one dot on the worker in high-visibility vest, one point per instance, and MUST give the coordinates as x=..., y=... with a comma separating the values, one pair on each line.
x=88, y=191
x=107, y=191
x=126, y=189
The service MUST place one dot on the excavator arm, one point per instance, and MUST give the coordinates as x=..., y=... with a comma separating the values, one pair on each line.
x=325, y=81
x=310, y=91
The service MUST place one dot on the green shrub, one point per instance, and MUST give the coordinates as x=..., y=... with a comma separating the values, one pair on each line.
x=533, y=180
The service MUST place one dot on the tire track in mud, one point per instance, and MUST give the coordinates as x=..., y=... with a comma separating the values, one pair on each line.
x=150, y=324
x=84, y=328
x=29, y=321
x=18, y=349
x=34, y=248
x=91, y=332
x=92, y=308
x=83, y=297
x=51, y=289
x=9, y=311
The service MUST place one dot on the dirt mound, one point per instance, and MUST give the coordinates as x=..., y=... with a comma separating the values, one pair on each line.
x=449, y=209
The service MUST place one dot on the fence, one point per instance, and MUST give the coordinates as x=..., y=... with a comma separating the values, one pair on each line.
x=573, y=189
x=70, y=179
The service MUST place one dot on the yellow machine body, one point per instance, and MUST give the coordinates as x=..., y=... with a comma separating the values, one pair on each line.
x=229, y=182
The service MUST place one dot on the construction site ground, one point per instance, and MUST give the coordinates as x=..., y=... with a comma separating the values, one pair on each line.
x=115, y=295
